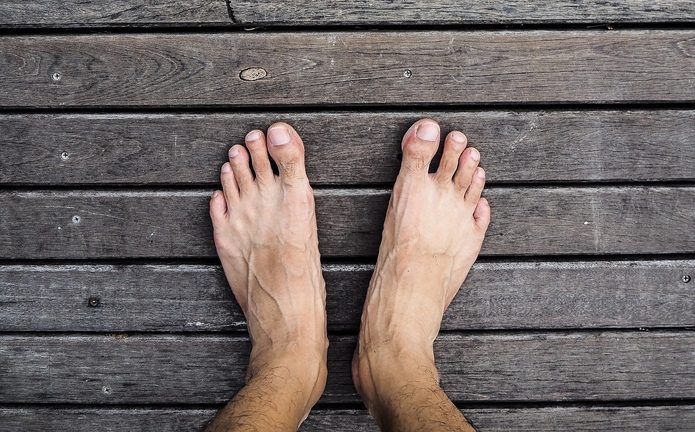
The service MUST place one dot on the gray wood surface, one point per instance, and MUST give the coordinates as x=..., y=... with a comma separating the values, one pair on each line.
x=437, y=12
x=91, y=13
x=373, y=68
x=209, y=369
x=526, y=221
x=550, y=419
x=117, y=13
x=346, y=148
x=189, y=298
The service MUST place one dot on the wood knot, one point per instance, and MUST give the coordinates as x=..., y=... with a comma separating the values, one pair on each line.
x=253, y=74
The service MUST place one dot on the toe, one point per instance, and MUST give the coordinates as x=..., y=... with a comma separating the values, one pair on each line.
x=239, y=160
x=467, y=164
x=256, y=145
x=482, y=214
x=229, y=186
x=218, y=208
x=419, y=145
x=454, y=144
x=287, y=149
x=476, y=188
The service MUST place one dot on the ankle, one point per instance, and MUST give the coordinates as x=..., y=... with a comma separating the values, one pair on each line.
x=299, y=369
x=381, y=370
x=309, y=359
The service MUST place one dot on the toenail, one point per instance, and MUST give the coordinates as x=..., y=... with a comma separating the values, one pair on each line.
x=427, y=132
x=475, y=155
x=233, y=152
x=253, y=136
x=215, y=193
x=481, y=173
x=279, y=136
x=226, y=168
x=458, y=137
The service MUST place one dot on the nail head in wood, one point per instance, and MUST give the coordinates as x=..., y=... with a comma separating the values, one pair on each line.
x=94, y=302
x=76, y=219
x=65, y=155
x=56, y=76
x=407, y=73
x=685, y=278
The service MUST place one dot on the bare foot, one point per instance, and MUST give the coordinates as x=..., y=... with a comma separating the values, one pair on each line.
x=433, y=232
x=265, y=234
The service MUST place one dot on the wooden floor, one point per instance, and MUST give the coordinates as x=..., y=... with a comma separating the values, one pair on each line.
x=116, y=116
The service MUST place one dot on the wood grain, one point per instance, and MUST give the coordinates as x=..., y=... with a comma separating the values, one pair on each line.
x=550, y=419
x=448, y=12
x=183, y=298
x=526, y=221
x=366, y=69
x=90, y=13
x=346, y=148
x=113, y=13
x=209, y=369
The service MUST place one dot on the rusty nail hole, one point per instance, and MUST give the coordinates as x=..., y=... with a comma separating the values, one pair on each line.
x=94, y=302
x=685, y=278
x=56, y=76
x=76, y=219
x=407, y=73
x=253, y=74
x=65, y=155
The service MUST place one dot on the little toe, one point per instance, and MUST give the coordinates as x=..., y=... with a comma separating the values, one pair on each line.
x=476, y=188
x=239, y=161
x=454, y=144
x=287, y=149
x=256, y=145
x=229, y=186
x=218, y=208
x=467, y=164
x=419, y=146
x=482, y=214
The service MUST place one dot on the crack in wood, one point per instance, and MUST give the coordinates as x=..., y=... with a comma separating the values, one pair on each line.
x=230, y=11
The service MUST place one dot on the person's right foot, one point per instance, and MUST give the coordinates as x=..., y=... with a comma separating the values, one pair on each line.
x=433, y=232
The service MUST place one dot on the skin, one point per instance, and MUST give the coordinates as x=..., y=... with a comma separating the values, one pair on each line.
x=434, y=229
x=265, y=233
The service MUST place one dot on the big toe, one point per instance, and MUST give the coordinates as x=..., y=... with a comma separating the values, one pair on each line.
x=287, y=150
x=419, y=146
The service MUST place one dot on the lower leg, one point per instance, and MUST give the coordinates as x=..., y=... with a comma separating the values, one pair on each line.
x=433, y=232
x=277, y=396
x=405, y=393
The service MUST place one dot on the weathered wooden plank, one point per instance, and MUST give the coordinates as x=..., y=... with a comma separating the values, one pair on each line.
x=343, y=12
x=116, y=13
x=403, y=68
x=89, y=13
x=209, y=369
x=526, y=221
x=345, y=148
x=546, y=419
x=495, y=296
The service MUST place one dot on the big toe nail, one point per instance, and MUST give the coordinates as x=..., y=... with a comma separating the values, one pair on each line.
x=428, y=131
x=279, y=136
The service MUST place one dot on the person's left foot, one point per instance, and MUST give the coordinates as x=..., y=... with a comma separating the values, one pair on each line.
x=265, y=234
